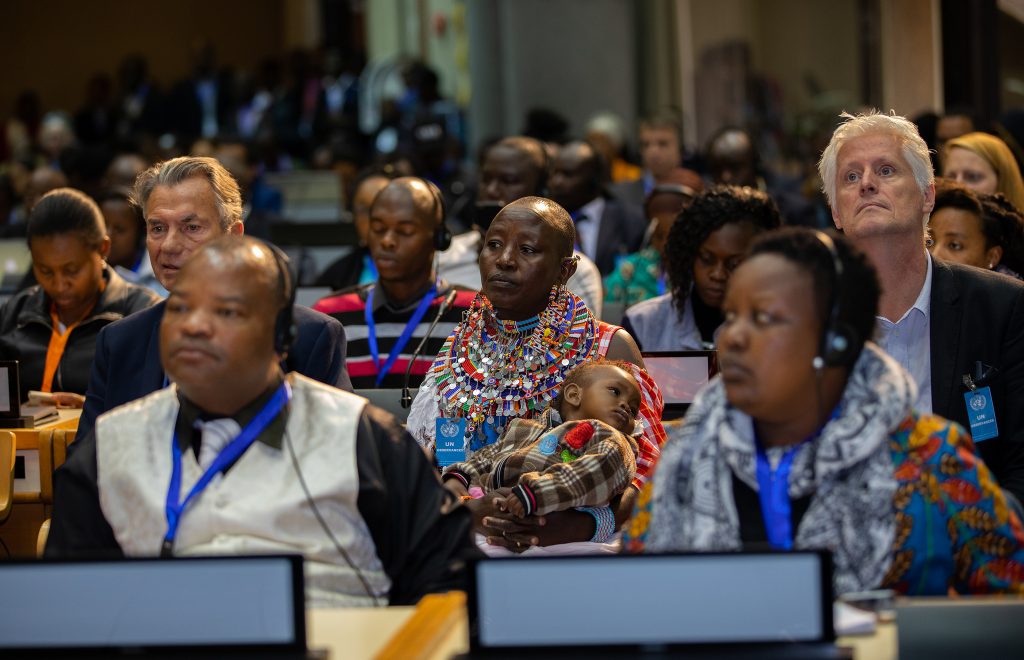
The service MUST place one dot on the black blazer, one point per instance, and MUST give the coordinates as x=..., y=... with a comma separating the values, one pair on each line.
x=26, y=327
x=978, y=315
x=630, y=192
x=127, y=361
x=621, y=232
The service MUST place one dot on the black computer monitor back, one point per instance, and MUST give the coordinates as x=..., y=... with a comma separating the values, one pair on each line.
x=631, y=605
x=249, y=606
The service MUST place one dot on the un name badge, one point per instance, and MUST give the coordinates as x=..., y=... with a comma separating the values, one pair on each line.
x=450, y=436
x=981, y=414
x=548, y=444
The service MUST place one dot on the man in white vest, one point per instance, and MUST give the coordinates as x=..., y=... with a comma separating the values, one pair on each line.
x=237, y=458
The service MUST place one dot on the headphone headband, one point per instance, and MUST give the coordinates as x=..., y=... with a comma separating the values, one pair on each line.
x=442, y=236
x=285, y=331
x=836, y=339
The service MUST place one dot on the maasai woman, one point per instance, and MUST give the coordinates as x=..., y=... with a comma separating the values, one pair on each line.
x=508, y=357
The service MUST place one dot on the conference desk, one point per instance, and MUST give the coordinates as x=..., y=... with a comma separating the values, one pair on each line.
x=437, y=629
x=33, y=487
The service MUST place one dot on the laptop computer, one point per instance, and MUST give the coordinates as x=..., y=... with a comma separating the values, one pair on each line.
x=389, y=399
x=680, y=375
x=969, y=627
x=251, y=606
x=14, y=413
x=721, y=605
x=308, y=296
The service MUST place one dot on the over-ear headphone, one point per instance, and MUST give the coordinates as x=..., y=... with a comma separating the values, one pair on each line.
x=285, y=330
x=442, y=236
x=837, y=338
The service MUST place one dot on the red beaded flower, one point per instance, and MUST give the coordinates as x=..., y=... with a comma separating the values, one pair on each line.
x=580, y=435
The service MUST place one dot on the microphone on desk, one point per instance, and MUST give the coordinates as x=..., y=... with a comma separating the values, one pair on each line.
x=445, y=304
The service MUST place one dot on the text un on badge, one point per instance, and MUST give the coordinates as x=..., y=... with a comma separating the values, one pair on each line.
x=450, y=440
x=981, y=414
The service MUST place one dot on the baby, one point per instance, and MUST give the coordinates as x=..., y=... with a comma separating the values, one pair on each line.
x=581, y=452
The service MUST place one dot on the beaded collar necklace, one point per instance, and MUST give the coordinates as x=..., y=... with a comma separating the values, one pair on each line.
x=490, y=369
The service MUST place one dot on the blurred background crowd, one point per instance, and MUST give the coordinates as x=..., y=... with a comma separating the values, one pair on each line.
x=297, y=97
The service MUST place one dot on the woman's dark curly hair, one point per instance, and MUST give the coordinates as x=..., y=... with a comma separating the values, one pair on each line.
x=709, y=212
x=1001, y=222
x=855, y=294
x=1004, y=226
x=950, y=194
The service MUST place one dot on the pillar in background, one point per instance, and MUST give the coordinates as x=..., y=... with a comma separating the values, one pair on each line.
x=911, y=56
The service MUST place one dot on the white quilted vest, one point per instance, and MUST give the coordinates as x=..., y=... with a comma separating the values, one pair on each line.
x=258, y=507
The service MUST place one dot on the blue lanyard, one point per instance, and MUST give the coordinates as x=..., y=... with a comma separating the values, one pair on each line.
x=369, y=274
x=661, y=284
x=403, y=339
x=648, y=181
x=773, y=491
x=225, y=458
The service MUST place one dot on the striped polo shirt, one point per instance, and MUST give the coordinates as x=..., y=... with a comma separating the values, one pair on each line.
x=349, y=307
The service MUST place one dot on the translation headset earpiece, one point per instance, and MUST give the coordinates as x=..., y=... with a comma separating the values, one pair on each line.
x=284, y=326
x=838, y=338
x=442, y=236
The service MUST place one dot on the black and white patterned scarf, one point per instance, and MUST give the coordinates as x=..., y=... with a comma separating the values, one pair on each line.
x=847, y=471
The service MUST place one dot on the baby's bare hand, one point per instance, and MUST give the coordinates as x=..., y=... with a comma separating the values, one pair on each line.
x=513, y=505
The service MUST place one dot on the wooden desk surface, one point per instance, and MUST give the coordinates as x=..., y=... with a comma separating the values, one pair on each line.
x=29, y=438
x=21, y=530
x=354, y=633
x=437, y=629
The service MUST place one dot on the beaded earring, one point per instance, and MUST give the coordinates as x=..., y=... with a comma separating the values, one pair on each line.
x=556, y=290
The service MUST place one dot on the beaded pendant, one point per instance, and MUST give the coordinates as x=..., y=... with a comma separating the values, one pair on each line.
x=490, y=369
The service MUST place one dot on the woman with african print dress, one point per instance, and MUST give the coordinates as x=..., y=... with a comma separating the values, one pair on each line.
x=507, y=359
x=808, y=440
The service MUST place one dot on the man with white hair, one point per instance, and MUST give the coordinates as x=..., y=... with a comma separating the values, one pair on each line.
x=958, y=330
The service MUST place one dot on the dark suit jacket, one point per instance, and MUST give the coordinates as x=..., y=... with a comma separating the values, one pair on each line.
x=621, y=232
x=127, y=366
x=630, y=192
x=977, y=315
x=186, y=112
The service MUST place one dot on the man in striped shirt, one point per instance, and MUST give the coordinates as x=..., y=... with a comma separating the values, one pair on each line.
x=385, y=321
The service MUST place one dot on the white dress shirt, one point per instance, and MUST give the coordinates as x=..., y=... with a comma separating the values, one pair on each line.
x=588, y=226
x=908, y=341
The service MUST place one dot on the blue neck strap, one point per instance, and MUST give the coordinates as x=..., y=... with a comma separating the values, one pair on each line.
x=403, y=339
x=224, y=459
x=648, y=181
x=773, y=489
x=369, y=274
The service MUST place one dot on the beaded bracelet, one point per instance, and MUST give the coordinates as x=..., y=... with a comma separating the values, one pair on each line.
x=604, y=519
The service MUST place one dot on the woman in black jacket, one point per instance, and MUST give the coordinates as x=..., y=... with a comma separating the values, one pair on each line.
x=51, y=328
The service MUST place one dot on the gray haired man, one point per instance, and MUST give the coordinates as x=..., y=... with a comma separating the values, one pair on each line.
x=185, y=203
x=958, y=330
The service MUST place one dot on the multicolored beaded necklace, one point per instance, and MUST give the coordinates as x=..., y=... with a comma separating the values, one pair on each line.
x=490, y=370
